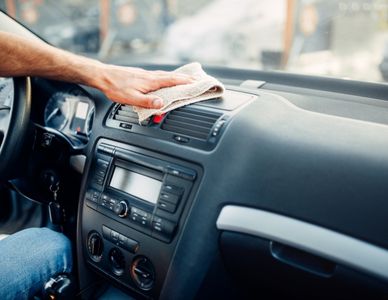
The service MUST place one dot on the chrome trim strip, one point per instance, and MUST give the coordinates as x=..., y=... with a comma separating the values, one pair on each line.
x=314, y=239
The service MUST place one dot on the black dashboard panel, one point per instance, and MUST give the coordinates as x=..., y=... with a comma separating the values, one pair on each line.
x=294, y=149
x=198, y=125
x=120, y=228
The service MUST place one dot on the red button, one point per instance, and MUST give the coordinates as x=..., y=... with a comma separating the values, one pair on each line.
x=158, y=118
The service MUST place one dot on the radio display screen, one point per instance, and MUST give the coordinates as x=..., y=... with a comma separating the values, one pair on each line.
x=135, y=184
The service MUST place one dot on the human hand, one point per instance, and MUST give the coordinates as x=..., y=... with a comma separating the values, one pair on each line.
x=128, y=85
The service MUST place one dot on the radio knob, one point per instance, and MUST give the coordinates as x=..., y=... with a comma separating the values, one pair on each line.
x=121, y=209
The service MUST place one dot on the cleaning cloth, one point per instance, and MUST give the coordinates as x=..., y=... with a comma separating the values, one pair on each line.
x=204, y=87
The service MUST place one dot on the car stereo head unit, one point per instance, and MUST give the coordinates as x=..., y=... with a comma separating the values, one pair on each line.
x=143, y=192
x=142, y=186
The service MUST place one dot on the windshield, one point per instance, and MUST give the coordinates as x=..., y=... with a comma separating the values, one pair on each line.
x=346, y=39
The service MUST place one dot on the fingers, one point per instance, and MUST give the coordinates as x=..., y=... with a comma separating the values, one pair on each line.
x=146, y=101
x=131, y=86
x=165, y=79
x=170, y=79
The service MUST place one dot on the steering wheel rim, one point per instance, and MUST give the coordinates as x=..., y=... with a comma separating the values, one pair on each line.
x=13, y=127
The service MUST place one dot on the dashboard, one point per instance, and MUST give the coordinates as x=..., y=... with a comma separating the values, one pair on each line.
x=282, y=182
x=274, y=162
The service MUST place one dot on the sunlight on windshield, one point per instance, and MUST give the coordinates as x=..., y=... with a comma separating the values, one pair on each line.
x=347, y=39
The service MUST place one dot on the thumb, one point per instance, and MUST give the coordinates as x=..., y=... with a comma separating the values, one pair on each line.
x=147, y=101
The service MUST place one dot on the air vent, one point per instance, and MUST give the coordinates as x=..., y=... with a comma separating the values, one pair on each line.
x=191, y=122
x=125, y=113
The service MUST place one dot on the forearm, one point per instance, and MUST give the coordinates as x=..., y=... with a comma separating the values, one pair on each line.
x=24, y=57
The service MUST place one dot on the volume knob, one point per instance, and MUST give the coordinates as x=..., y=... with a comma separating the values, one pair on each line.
x=121, y=209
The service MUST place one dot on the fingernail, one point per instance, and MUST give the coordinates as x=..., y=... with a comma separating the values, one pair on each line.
x=157, y=103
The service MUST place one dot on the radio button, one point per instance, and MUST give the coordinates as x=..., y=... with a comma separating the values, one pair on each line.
x=134, y=217
x=103, y=164
x=169, y=188
x=106, y=148
x=173, y=172
x=166, y=206
x=92, y=195
x=173, y=199
x=104, y=200
x=185, y=174
x=114, y=236
x=129, y=244
x=140, y=217
x=99, y=180
x=145, y=221
x=139, y=212
x=157, y=226
x=120, y=239
x=100, y=172
x=162, y=229
x=106, y=205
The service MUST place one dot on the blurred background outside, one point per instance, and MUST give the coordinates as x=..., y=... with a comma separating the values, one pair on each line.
x=344, y=38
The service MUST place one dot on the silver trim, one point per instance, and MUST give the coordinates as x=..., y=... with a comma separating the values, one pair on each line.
x=311, y=238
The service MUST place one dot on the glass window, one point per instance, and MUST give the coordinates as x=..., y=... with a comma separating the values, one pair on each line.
x=347, y=39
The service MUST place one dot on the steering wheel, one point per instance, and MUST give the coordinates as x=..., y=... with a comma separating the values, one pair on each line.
x=14, y=120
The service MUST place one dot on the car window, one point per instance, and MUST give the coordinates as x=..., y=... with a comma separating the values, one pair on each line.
x=346, y=39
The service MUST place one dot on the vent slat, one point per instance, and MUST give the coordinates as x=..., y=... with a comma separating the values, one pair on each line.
x=188, y=126
x=126, y=119
x=191, y=122
x=131, y=114
x=188, y=120
x=126, y=107
x=194, y=116
x=125, y=113
x=199, y=112
x=185, y=131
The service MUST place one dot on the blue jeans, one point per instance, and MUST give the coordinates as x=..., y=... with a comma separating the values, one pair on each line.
x=29, y=258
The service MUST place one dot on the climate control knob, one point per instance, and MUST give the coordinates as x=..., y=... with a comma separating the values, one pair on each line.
x=117, y=261
x=143, y=273
x=121, y=209
x=95, y=246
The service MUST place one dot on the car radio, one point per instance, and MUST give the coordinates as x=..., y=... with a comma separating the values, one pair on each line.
x=142, y=192
x=134, y=205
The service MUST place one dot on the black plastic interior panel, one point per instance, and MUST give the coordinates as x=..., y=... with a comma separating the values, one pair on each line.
x=315, y=157
x=231, y=100
x=144, y=230
x=249, y=261
x=323, y=169
x=199, y=125
x=354, y=107
x=290, y=80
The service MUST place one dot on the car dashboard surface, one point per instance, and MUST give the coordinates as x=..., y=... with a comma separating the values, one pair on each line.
x=278, y=188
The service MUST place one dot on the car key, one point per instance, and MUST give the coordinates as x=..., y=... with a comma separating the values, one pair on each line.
x=56, y=212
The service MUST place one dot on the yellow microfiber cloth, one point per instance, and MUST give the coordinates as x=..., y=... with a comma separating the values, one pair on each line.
x=203, y=88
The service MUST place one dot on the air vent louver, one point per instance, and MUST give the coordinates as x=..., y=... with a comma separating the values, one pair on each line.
x=125, y=113
x=191, y=122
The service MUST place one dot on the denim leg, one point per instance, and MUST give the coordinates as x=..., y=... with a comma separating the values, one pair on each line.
x=29, y=258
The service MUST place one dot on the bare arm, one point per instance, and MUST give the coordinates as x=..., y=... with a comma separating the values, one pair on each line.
x=24, y=57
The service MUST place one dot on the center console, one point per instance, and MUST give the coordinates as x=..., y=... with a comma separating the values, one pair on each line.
x=134, y=208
